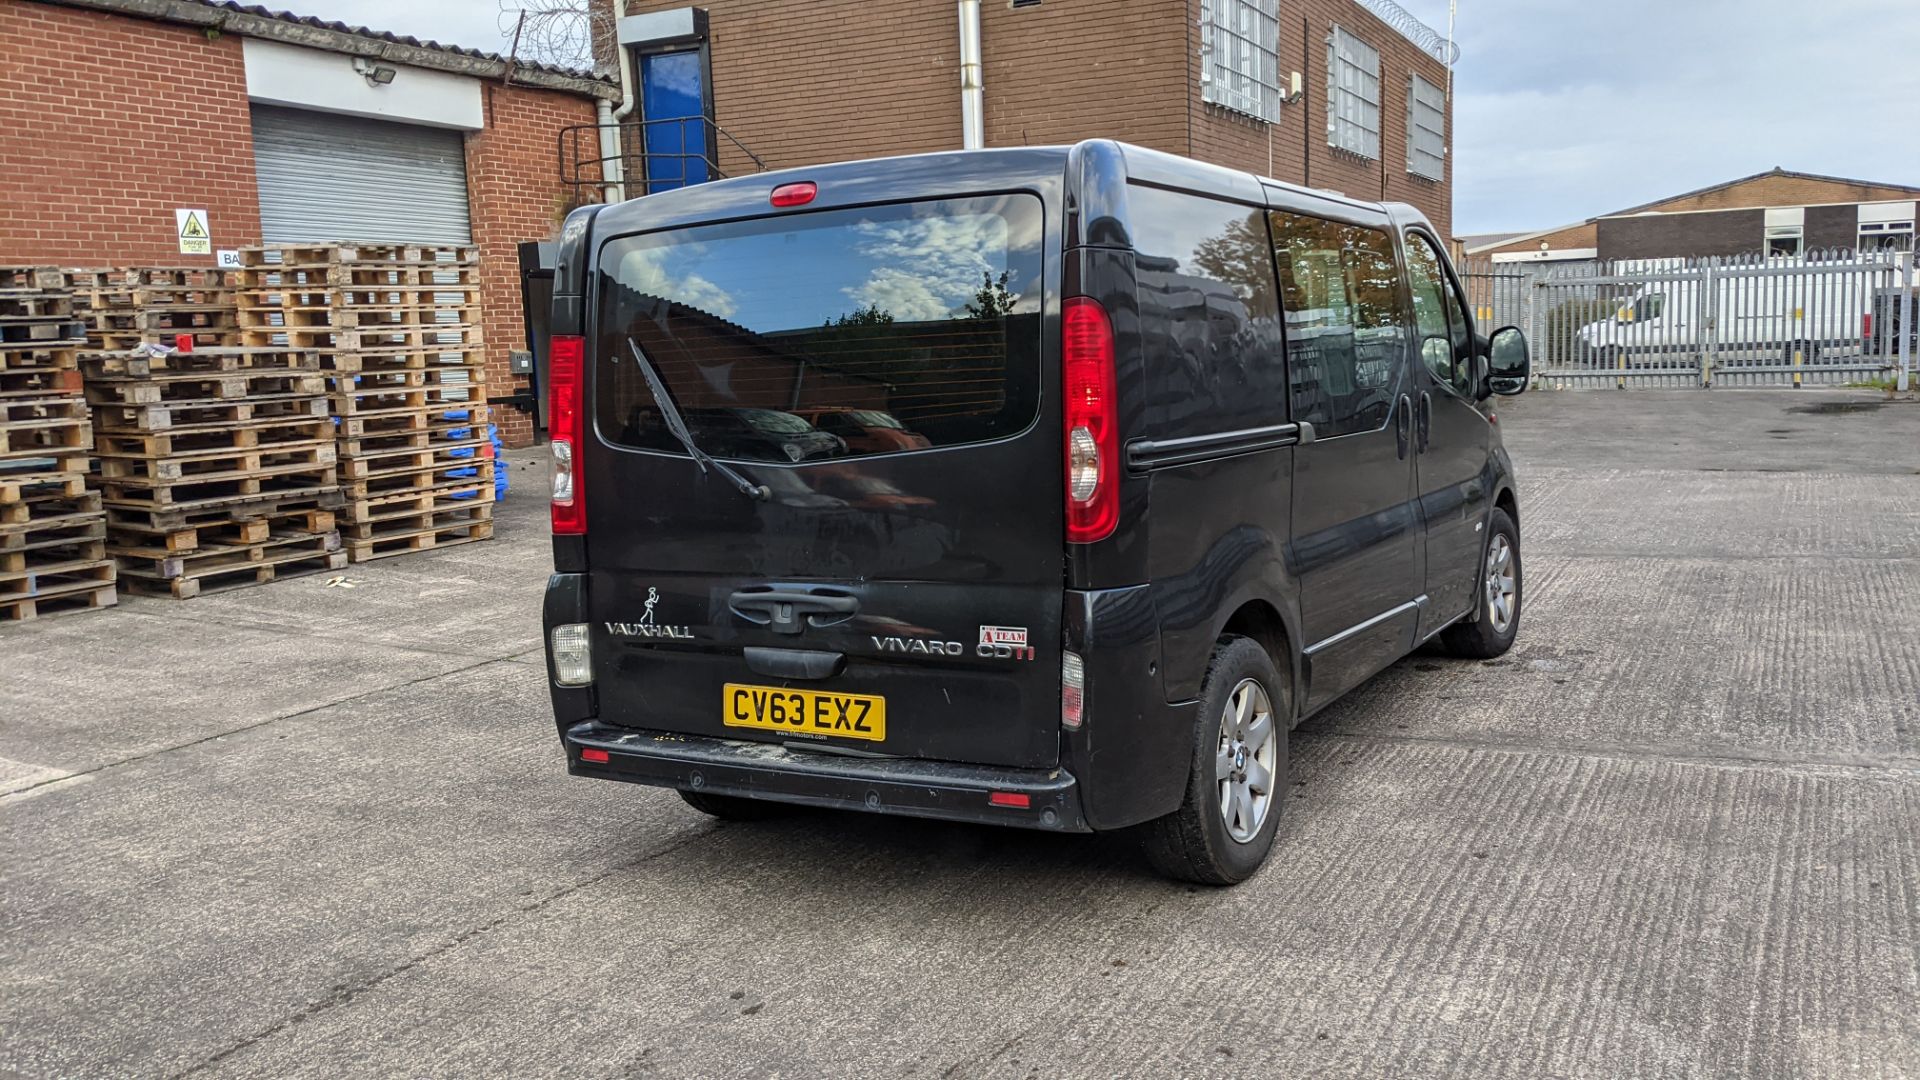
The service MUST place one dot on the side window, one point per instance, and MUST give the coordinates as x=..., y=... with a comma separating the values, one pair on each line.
x=1446, y=335
x=1209, y=319
x=1339, y=291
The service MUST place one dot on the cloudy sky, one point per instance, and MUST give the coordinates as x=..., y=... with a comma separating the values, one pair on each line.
x=1569, y=108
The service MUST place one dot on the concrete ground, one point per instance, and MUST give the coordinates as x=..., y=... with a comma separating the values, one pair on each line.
x=310, y=830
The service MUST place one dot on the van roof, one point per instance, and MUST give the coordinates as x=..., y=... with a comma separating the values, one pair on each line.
x=910, y=176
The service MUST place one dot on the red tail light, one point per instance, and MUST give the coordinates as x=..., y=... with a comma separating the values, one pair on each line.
x=566, y=390
x=1092, y=421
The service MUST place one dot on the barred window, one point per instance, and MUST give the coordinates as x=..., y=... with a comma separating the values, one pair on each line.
x=1426, y=129
x=1240, y=56
x=1353, y=94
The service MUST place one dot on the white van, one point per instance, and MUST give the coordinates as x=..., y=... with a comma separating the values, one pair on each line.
x=1760, y=315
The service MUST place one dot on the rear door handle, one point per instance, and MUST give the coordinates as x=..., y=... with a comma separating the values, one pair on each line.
x=1403, y=425
x=1426, y=420
x=789, y=611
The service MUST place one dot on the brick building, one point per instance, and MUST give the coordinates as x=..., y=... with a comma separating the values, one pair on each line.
x=120, y=112
x=1777, y=212
x=798, y=82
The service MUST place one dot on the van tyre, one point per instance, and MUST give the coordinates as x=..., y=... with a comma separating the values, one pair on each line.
x=1492, y=632
x=733, y=807
x=1237, y=781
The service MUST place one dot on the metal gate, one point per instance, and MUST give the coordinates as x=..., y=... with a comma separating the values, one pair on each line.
x=1825, y=318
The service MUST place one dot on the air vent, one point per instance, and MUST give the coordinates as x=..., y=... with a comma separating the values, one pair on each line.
x=1018, y=4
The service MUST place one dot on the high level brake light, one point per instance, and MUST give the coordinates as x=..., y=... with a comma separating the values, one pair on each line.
x=1092, y=421
x=566, y=388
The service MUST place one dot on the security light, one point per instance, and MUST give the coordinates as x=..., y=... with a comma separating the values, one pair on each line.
x=376, y=74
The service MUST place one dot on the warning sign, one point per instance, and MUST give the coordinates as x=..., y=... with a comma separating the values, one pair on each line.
x=192, y=227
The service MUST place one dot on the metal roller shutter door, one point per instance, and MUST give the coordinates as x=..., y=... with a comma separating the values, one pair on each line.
x=325, y=177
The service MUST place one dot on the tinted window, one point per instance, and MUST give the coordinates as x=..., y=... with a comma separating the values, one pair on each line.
x=1345, y=343
x=1209, y=320
x=922, y=317
x=1446, y=338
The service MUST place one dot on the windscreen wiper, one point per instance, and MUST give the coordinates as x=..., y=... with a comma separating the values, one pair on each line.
x=678, y=426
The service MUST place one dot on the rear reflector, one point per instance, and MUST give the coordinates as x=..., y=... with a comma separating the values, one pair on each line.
x=590, y=754
x=796, y=194
x=571, y=646
x=566, y=387
x=1073, y=691
x=1017, y=800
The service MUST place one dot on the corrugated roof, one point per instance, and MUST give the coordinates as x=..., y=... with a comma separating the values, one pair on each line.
x=264, y=12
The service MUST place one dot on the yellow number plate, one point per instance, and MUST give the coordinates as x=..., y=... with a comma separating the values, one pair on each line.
x=808, y=712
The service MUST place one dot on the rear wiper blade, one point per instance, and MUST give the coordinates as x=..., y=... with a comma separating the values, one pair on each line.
x=678, y=426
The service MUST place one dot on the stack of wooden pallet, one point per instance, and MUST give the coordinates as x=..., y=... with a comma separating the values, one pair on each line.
x=216, y=460
x=127, y=308
x=398, y=330
x=52, y=530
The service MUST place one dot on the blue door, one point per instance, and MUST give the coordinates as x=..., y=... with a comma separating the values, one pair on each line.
x=673, y=104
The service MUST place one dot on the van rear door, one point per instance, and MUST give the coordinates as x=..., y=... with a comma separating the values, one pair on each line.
x=895, y=589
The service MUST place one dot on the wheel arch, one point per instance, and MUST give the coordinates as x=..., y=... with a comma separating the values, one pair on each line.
x=1261, y=620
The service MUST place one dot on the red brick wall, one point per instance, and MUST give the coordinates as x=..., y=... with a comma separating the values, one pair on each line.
x=805, y=81
x=110, y=125
x=1295, y=149
x=514, y=194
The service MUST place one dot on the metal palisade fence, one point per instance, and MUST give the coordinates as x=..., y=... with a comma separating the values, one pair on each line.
x=1822, y=318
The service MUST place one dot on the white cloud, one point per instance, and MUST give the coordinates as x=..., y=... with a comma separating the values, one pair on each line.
x=933, y=265
x=641, y=270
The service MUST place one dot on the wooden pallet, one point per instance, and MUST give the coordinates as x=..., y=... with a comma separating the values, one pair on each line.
x=58, y=477
x=165, y=416
x=173, y=442
x=313, y=505
x=145, y=365
x=215, y=463
x=53, y=529
x=425, y=538
x=67, y=585
x=38, y=333
x=50, y=508
x=328, y=254
x=371, y=463
x=32, y=277
x=32, y=557
x=444, y=477
x=226, y=487
x=44, y=427
x=233, y=531
x=218, y=571
x=459, y=493
x=204, y=386
x=58, y=595
x=36, y=305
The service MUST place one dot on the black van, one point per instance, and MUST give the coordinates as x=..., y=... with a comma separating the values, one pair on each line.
x=1176, y=457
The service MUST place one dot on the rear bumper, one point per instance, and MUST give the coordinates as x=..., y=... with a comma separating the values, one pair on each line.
x=945, y=790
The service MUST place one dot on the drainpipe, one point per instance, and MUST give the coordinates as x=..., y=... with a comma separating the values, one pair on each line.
x=609, y=153
x=973, y=94
x=612, y=149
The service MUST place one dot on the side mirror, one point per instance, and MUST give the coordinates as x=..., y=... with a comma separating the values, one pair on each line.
x=1509, y=365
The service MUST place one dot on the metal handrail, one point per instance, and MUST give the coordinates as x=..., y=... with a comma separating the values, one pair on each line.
x=573, y=158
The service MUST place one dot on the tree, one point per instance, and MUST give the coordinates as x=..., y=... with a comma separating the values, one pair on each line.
x=993, y=299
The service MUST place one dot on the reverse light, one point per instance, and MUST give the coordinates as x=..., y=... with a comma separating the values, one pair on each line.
x=566, y=390
x=1073, y=691
x=1091, y=419
x=799, y=193
x=572, y=650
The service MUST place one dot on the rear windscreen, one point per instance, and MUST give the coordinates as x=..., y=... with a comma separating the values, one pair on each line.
x=832, y=334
